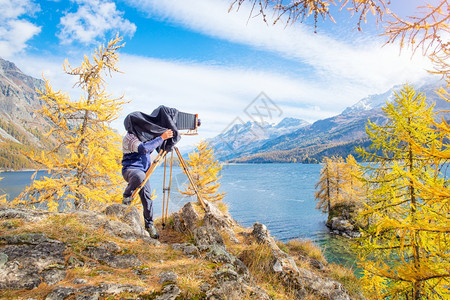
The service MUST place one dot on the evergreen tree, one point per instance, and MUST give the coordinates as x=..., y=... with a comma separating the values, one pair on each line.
x=404, y=249
x=88, y=175
x=205, y=170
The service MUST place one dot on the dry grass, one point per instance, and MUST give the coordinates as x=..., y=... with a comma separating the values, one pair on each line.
x=303, y=251
x=306, y=248
x=66, y=228
x=283, y=247
x=71, y=230
x=9, y=224
x=222, y=206
x=77, y=236
x=38, y=293
x=169, y=236
x=199, y=209
x=348, y=279
x=259, y=260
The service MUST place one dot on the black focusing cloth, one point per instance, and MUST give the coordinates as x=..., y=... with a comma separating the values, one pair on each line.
x=147, y=127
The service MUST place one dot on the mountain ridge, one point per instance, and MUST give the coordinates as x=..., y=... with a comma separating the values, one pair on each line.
x=21, y=127
x=337, y=135
x=240, y=136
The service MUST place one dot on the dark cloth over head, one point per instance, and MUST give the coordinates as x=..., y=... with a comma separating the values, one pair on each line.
x=147, y=127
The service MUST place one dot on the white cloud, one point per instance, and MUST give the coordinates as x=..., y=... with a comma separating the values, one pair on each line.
x=217, y=94
x=364, y=62
x=92, y=20
x=12, y=9
x=15, y=32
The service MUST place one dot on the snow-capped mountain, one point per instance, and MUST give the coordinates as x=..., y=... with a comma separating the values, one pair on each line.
x=428, y=87
x=243, y=137
x=372, y=101
x=337, y=135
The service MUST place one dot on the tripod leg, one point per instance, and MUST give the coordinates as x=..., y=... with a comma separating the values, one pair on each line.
x=168, y=189
x=186, y=170
x=148, y=173
x=164, y=193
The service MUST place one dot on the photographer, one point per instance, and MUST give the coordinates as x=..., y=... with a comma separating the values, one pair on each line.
x=135, y=163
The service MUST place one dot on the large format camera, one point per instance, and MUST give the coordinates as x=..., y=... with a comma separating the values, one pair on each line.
x=185, y=121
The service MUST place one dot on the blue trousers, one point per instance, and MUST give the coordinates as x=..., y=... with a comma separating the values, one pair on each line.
x=135, y=177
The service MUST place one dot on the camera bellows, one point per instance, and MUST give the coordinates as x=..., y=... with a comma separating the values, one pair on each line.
x=186, y=121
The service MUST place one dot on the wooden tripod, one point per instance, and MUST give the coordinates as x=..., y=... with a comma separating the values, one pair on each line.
x=161, y=155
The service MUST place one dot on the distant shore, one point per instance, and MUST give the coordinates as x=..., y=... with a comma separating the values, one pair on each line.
x=21, y=170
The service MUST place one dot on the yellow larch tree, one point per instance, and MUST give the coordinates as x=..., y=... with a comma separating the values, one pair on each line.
x=2, y=197
x=353, y=189
x=324, y=186
x=340, y=188
x=205, y=170
x=331, y=183
x=84, y=167
x=339, y=179
x=339, y=183
x=439, y=150
x=404, y=249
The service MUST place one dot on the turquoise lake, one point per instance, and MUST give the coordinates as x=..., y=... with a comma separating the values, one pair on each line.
x=281, y=196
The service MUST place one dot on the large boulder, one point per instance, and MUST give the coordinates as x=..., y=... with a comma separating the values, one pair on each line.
x=344, y=227
x=128, y=215
x=22, y=213
x=284, y=267
x=206, y=236
x=29, y=259
x=220, y=220
x=187, y=219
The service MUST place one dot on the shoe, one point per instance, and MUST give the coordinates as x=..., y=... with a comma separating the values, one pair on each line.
x=127, y=200
x=152, y=231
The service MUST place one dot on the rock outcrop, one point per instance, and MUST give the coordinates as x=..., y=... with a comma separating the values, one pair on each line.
x=28, y=260
x=342, y=220
x=101, y=253
x=302, y=280
x=344, y=227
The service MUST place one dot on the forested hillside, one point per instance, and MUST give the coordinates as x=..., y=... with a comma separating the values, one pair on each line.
x=21, y=128
x=335, y=136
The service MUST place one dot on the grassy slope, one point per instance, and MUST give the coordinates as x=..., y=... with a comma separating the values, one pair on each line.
x=73, y=231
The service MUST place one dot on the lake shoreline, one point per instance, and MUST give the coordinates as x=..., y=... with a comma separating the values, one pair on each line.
x=21, y=170
x=255, y=193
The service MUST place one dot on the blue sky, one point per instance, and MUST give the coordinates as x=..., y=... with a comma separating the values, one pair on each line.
x=198, y=57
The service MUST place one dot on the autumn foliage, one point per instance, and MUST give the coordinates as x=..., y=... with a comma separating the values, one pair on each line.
x=2, y=196
x=402, y=198
x=87, y=174
x=339, y=183
x=404, y=249
x=204, y=169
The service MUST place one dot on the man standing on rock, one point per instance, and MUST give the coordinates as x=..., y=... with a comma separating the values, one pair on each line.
x=135, y=163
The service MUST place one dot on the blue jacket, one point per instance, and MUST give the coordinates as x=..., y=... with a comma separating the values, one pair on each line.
x=137, y=155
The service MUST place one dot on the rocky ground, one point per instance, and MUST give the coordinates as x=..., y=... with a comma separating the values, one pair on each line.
x=342, y=220
x=201, y=255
